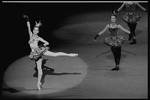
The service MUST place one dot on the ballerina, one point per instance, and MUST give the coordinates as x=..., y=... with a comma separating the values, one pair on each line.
x=114, y=41
x=131, y=17
x=37, y=51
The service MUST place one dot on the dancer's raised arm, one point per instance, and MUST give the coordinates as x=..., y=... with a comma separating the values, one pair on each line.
x=121, y=7
x=28, y=25
x=140, y=6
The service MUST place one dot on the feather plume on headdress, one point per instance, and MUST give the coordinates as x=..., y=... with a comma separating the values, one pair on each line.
x=114, y=13
x=38, y=24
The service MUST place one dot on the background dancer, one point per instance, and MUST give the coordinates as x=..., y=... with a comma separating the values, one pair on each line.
x=131, y=17
x=114, y=41
x=38, y=50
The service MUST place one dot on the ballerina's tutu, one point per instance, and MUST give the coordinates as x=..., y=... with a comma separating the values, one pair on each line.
x=114, y=40
x=37, y=53
x=131, y=17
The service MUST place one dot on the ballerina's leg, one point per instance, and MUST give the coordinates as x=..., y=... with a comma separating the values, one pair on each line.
x=49, y=53
x=39, y=63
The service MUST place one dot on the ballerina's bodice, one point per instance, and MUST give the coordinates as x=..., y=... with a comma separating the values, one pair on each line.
x=113, y=30
x=33, y=42
x=130, y=7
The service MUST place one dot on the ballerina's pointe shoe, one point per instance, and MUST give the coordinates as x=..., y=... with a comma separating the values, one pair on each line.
x=39, y=85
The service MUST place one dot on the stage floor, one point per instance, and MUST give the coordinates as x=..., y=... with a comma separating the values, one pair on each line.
x=93, y=78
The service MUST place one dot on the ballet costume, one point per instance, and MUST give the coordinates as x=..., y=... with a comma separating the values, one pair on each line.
x=115, y=41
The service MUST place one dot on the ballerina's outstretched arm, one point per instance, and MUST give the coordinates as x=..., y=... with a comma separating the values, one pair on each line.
x=100, y=33
x=123, y=29
x=126, y=31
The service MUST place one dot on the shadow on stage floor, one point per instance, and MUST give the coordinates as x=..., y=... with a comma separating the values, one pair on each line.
x=50, y=71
